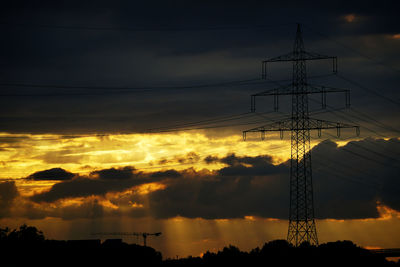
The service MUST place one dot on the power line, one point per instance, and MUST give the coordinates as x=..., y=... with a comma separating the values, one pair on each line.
x=369, y=150
x=353, y=50
x=364, y=157
x=349, y=176
x=116, y=90
x=60, y=86
x=358, y=118
x=372, y=151
x=376, y=122
x=376, y=153
x=358, y=155
x=204, y=128
x=387, y=150
x=366, y=128
x=186, y=126
x=143, y=29
x=369, y=90
x=346, y=118
x=205, y=122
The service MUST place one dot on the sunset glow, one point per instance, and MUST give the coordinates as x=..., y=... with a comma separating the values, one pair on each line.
x=196, y=127
x=87, y=155
x=84, y=154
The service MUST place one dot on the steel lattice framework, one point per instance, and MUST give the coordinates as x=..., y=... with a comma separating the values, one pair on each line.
x=302, y=226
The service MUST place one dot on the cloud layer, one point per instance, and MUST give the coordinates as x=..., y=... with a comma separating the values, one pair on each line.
x=97, y=184
x=8, y=193
x=349, y=181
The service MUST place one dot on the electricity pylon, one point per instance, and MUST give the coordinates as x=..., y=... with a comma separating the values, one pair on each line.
x=301, y=212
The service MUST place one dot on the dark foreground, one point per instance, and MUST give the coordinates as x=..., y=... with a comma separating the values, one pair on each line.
x=27, y=246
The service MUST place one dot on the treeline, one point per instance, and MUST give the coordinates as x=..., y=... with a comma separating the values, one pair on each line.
x=281, y=253
x=27, y=246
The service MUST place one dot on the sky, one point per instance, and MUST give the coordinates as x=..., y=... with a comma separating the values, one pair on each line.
x=123, y=116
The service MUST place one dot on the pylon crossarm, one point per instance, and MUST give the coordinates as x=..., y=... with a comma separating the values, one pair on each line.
x=311, y=89
x=287, y=125
x=296, y=56
x=327, y=89
x=316, y=124
x=314, y=89
x=279, y=126
x=282, y=90
x=274, y=126
x=324, y=124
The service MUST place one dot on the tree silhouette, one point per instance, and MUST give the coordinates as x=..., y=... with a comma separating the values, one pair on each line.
x=25, y=234
x=28, y=246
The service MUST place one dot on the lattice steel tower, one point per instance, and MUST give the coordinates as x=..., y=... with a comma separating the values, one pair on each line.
x=301, y=212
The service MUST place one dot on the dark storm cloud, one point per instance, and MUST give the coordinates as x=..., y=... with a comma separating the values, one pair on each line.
x=108, y=180
x=115, y=174
x=349, y=181
x=221, y=197
x=8, y=192
x=168, y=43
x=52, y=174
x=165, y=174
x=247, y=186
x=255, y=166
x=211, y=159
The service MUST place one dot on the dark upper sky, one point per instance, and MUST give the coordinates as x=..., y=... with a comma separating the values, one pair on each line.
x=125, y=67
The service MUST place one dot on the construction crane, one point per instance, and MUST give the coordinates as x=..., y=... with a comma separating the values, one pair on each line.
x=138, y=234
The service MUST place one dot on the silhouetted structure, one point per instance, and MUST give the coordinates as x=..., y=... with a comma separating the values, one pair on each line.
x=27, y=246
x=282, y=253
x=301, y=212
x=138, y=234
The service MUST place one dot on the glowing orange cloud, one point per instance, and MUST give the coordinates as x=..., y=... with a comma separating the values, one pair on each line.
x=350, y=18
x=396, y=36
